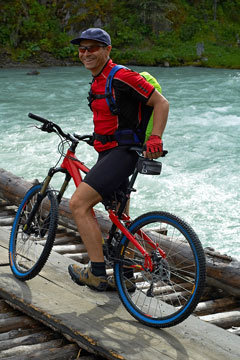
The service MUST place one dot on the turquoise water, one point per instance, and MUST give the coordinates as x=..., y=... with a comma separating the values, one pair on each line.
x=200, y=176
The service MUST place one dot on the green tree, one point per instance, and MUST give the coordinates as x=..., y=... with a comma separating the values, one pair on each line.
x=152, y=13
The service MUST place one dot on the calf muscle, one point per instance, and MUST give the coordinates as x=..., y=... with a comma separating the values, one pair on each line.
x=81, y=204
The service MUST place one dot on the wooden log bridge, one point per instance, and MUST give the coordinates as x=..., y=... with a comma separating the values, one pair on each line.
x=222, y=271
x=23, y=337
x=98, y=322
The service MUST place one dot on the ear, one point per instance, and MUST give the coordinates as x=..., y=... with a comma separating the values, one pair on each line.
x=109, y=48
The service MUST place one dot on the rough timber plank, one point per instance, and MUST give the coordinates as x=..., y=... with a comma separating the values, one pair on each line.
x=104, y=327
x=4, y=239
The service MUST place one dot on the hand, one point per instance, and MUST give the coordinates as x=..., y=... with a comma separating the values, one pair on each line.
x=90, y=141
x=154, y=147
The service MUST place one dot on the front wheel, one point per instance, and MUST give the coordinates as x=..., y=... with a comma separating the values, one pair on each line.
x=167, y=294
x=33, y=233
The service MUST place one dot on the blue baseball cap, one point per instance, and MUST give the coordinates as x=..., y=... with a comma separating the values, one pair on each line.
x=96, y=34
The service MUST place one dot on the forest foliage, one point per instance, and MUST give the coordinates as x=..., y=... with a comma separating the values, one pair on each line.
x=143, y=32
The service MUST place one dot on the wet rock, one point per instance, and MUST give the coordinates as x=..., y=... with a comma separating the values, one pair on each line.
x=33, y=72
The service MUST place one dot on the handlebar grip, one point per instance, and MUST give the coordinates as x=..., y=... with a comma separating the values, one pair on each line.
x=140, y=149
x=38, y=118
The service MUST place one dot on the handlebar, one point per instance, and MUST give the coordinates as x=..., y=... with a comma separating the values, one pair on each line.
x=38, y=118
x=49, y=126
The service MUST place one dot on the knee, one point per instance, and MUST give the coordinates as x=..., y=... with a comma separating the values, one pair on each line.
x=78, y=206
x=74, y=204
x=83, y=200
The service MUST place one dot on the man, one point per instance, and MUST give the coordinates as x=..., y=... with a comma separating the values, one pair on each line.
x=115, y=163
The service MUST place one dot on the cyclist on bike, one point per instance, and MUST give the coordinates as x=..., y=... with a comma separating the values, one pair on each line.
x=113, y=134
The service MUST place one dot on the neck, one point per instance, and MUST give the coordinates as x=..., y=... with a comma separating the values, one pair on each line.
x=98, y=72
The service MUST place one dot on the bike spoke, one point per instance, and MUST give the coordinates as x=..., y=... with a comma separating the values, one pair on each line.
x=165, y=291
x=30, y=234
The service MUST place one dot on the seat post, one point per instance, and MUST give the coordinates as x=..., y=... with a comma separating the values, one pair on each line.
x=128, y=192
x=132, y=181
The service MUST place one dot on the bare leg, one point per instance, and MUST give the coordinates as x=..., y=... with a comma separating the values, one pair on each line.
x=81, y=204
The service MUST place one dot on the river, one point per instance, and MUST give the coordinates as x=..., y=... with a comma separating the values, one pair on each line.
x=200, y=175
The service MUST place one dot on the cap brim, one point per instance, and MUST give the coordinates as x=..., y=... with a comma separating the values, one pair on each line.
x=76, y=41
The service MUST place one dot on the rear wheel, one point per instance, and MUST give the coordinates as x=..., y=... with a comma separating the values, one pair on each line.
x=169, y=293
x=31, y=242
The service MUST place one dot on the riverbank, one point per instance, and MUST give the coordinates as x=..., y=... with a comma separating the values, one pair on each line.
x=175, y=33
x=131, y=57
x=45, y=60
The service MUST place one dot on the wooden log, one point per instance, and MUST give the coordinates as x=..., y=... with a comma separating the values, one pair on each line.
x=31, y=339
x=172, y=289
x=12, y=334
x=229, y=288
x=66, y=352
x=174, y=299
x=218, y=305
x=62, y=231
x=4, y=203
x=6, y=220
x=7, y=213
x=8, y=315
x=64, y=240
x=234, y=330
x=217, y=255
x=17, y=322
x=71, y=248
x=4, y=307
x=80, y=257
x=13, y=188
x=212, y=293
x=29, y=350
x=221, y=272
x=224, y=320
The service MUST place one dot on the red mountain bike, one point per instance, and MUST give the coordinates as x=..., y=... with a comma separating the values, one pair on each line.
x=164, y=253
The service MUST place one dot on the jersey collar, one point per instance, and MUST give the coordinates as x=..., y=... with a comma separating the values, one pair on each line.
x=107, y=67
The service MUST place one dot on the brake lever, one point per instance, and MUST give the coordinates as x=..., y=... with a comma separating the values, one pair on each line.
x=90, y=141
x=48, y=127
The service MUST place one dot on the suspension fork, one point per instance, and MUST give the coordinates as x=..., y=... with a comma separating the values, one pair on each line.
x=42, y=194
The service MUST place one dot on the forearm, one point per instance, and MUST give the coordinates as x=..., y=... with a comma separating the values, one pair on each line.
x=160, y=116
x=160, y=112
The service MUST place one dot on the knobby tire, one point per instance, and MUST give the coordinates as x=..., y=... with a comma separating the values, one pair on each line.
x=29, y=251
x=167, y=295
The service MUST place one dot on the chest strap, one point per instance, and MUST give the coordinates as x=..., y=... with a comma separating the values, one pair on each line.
x=108, y=92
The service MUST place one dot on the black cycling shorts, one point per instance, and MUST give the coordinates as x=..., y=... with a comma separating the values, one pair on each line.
x=111, y=171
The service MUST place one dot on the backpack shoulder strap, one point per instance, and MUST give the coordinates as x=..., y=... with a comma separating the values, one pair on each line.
x=108, y=90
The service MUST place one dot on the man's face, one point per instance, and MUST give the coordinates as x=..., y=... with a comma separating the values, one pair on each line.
x=94, y=61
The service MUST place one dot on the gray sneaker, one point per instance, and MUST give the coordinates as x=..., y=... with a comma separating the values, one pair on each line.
x=85, y=277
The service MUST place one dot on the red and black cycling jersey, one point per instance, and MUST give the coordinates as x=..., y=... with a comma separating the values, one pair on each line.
x=131, y=92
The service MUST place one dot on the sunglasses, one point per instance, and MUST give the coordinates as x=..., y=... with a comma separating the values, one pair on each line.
x=90, y=49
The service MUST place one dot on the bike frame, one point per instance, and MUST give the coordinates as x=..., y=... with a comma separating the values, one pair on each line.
x=72, y=168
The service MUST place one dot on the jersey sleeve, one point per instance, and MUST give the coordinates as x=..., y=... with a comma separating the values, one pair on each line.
x=133, y=84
